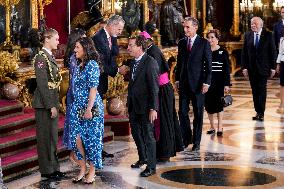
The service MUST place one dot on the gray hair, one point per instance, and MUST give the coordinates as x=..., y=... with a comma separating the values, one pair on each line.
x=258, y=19
x=115, y=19
x=193, y=20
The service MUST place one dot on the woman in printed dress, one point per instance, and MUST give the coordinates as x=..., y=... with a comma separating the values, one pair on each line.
x=86, y=133
x=70, y=62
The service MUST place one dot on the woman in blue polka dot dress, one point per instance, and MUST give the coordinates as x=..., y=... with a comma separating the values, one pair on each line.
x=87, y=130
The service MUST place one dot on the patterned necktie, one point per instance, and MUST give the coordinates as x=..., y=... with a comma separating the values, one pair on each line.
x=188, y=44
x=256, y=40
x=134, y=69
x=109, y=42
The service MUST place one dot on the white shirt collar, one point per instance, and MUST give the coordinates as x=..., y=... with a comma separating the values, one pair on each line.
x=108, y=36
x=283, y=21
x=259, y=33
x=193, y=38
x=47, y=50
x=140, y=57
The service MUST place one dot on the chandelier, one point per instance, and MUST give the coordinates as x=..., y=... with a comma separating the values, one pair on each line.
x=248, y=5
x=278, y=4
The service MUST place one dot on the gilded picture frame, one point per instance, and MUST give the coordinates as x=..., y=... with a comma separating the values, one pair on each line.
x=107, y=6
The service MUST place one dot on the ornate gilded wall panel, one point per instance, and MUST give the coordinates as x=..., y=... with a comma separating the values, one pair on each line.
x=236, y=19
x=34, y=13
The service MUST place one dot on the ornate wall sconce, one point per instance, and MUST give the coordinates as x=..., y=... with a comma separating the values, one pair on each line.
x=8, y=4
x=278, y=4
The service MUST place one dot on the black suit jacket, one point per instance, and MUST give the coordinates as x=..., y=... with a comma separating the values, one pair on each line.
x=107, y=57
x=278, y=32
x=195, y=67
x=262, y=59
x=143, y=90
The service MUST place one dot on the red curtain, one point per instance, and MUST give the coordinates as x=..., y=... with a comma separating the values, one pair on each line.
x=56, y=15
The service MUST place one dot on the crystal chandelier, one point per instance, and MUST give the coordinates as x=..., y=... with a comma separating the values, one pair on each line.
x=248, y=5
x=278, y=4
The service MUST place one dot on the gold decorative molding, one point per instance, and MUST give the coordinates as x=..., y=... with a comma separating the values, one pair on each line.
x=236, y=19
x=146, y=11
x=204, y=14
x=41, y=5
x=34, y=13
x=193, y=8
x=7, y=4
x=158, y=2
x=230, y=47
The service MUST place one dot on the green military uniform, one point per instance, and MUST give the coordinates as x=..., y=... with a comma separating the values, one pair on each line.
x=46, y=96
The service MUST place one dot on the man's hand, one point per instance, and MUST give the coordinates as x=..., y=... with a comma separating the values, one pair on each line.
x=272, y=73
x=53, y=112
x=245, y=73
x=177, y=86
x=205, y=88
x=123, y=69
x=278, y=68
x=152, y=116
x=226, y=89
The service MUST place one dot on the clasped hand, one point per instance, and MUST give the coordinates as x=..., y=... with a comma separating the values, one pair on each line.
x=152, y=116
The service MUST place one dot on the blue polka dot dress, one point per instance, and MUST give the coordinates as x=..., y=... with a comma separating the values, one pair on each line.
x=91, y=131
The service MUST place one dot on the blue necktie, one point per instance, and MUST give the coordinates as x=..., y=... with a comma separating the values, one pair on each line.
x=134, y=69
x=256, y=40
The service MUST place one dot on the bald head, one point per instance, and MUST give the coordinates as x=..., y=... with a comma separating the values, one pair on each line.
x=256, y=24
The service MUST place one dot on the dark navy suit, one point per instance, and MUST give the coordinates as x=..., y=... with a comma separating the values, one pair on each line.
x=277, y=31
x=107, y=57
x=194, y=68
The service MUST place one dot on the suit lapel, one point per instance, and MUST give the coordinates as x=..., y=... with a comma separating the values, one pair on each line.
x=261, y=39
x=195, y=45
x=251, y=40
x=104, y=35
x=140, y=67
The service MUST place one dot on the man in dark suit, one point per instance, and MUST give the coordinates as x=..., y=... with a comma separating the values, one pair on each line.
x=105, y=41
x=193, y=78
x=142, y=102
x=278, y=28
x=258, y=63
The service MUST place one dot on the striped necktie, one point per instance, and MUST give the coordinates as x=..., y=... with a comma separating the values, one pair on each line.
x=134, y=69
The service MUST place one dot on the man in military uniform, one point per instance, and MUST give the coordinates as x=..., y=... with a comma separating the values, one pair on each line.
x=46, y=104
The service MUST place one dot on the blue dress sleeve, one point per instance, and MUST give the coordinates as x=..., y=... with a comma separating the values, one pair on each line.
x=93, y=74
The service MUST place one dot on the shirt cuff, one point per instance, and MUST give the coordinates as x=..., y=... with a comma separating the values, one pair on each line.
x=206, y=84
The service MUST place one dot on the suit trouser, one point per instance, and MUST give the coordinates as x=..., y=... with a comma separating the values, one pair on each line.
x=197, y=100
x=258, y=85
x=47, y=137
x=143, y=134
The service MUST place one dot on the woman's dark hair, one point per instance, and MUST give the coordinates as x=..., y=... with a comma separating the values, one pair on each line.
x=215, y=32
x=90, y=51
x=75, y=34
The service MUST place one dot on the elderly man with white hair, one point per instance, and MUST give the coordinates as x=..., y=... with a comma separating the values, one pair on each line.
x=258, y=63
